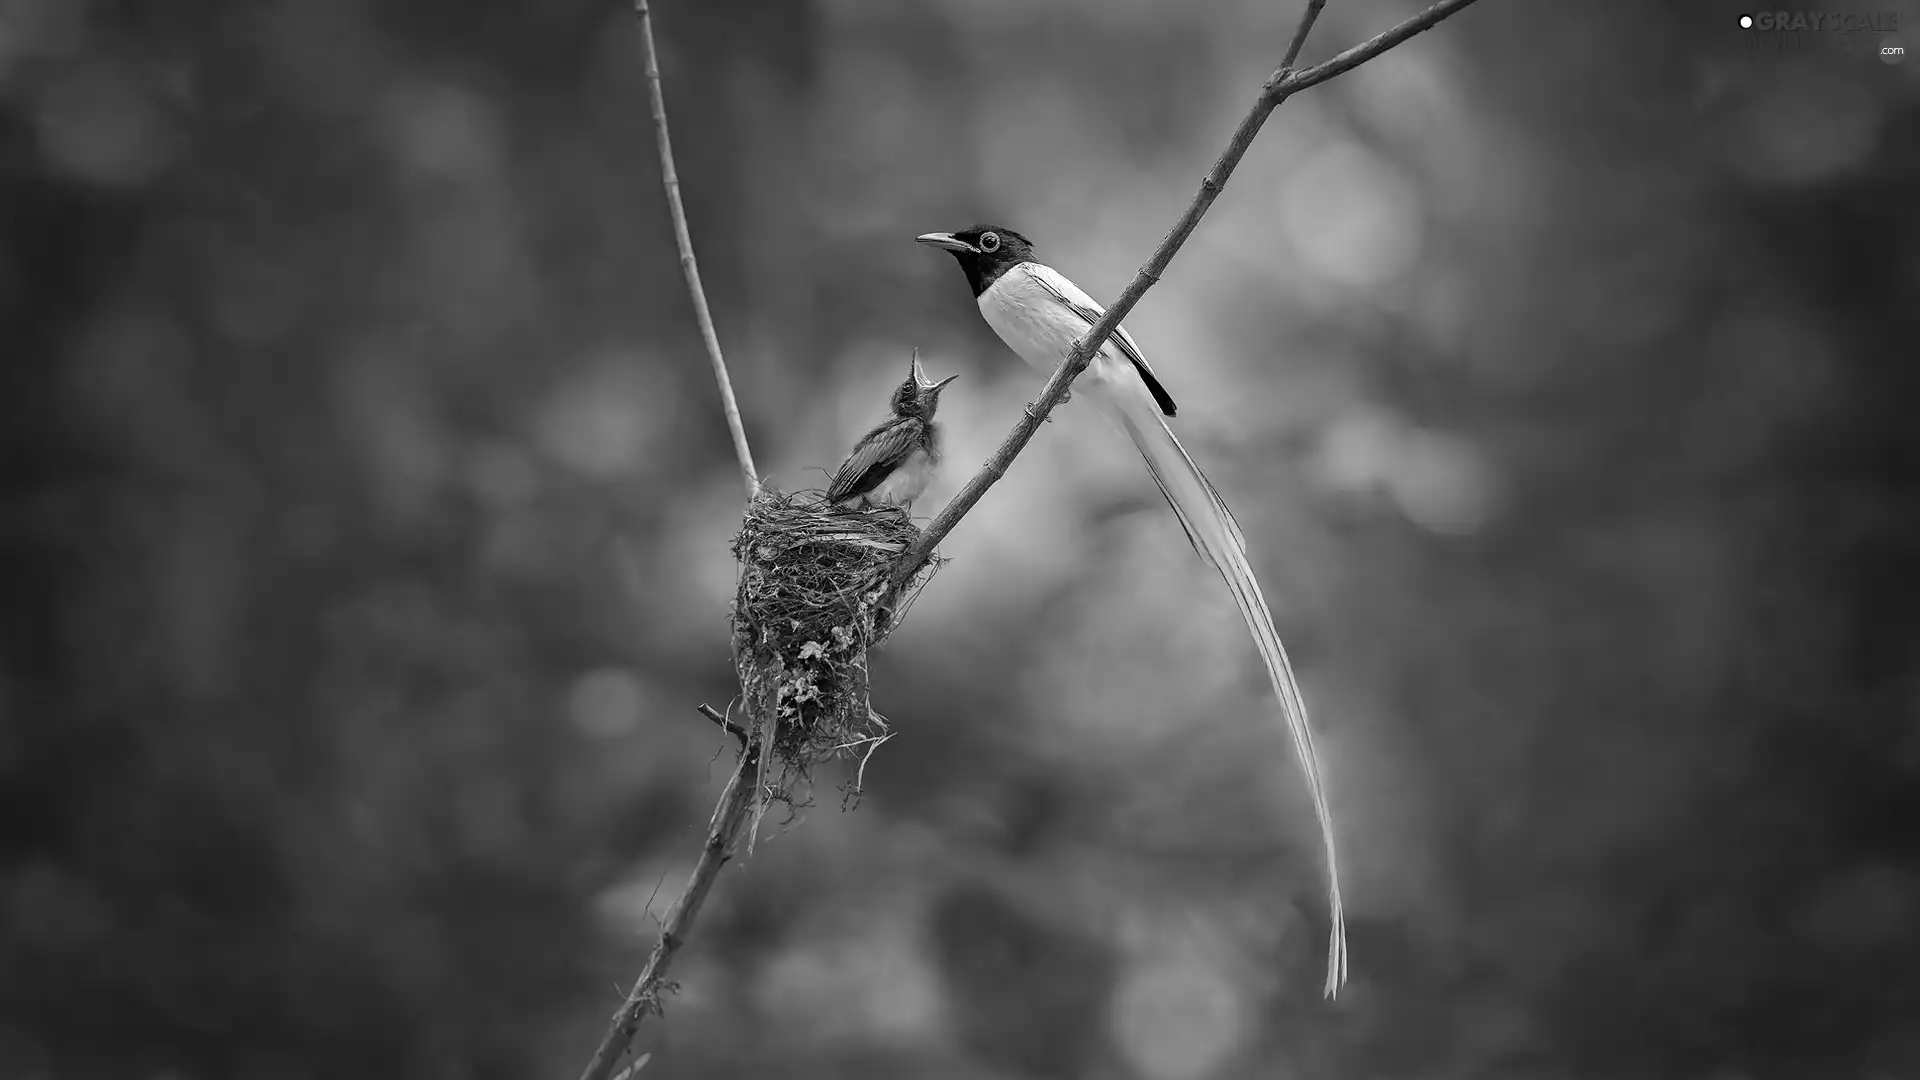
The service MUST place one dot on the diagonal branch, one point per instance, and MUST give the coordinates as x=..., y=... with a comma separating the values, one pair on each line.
x=730, y=818
x=684, y=240
x=1282, y=84
x=1307, y=19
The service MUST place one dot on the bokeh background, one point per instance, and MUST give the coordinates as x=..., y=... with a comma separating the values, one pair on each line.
x=367, y=507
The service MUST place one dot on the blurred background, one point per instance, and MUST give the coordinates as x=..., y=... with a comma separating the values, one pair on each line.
x=367, y=507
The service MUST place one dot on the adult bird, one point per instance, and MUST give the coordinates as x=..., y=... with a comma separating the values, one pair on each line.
x=1040, y=314
x=892, y=464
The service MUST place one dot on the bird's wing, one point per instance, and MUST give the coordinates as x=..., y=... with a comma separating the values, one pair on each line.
x=873, y=457
x=1061, y=288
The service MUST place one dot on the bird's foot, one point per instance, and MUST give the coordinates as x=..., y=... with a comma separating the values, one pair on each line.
x=1045, y=419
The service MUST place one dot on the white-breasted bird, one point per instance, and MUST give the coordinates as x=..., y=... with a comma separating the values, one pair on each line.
x=1040, y=314
x=892, y=464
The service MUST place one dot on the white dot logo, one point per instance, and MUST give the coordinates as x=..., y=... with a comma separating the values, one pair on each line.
x=1746, y=22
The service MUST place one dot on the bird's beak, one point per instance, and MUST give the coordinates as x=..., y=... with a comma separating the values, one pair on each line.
x=946, y=240
x=926, y=385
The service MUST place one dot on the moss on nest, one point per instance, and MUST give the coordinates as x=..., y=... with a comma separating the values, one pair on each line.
x=806, y=613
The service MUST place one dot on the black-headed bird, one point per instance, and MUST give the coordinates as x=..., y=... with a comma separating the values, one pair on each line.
x=1040, y=314
x=892, y=464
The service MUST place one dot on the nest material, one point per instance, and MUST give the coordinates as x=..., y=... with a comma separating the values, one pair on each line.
x=807, y=611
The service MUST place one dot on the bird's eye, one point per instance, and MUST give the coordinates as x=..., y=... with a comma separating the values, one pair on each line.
x=990, y=241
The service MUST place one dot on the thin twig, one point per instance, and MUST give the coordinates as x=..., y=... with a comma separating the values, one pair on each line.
x=684, y=240
x=730, y=817
x=726, y=725
x=1282, y=84
x=737, y=800
x=1300, y=33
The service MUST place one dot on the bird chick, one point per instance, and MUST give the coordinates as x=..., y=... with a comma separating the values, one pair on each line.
x=893, y=464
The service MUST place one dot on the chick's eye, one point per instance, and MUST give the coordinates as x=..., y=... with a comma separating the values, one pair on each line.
x=989, y=241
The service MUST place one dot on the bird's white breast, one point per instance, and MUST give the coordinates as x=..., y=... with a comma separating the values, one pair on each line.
x=1035, y=324
x=905, y=483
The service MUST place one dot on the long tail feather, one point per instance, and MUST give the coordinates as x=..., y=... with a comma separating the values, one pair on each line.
x=1216, y=536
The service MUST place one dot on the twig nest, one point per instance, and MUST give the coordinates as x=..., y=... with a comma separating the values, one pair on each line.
x=806, y=613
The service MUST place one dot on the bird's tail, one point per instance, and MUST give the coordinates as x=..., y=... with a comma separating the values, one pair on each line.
x=1216, y=536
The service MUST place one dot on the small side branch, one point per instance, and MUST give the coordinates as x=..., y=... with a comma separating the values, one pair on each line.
x=726, y=725
x=684, y=240
x=1282, y=84
x=1285, y=84
x=1307, y=19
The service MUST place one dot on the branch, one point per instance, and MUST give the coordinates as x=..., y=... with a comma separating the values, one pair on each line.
x=738, y=800
x=1282, y=84
x=730, y=818
x=727, y=725
x=1307, y=19
x=684, y=240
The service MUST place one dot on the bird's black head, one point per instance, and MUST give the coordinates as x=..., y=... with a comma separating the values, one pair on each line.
x=919, y=396
x=983, y=251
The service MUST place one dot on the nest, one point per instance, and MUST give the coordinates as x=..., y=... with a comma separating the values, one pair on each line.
x=808, y=609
